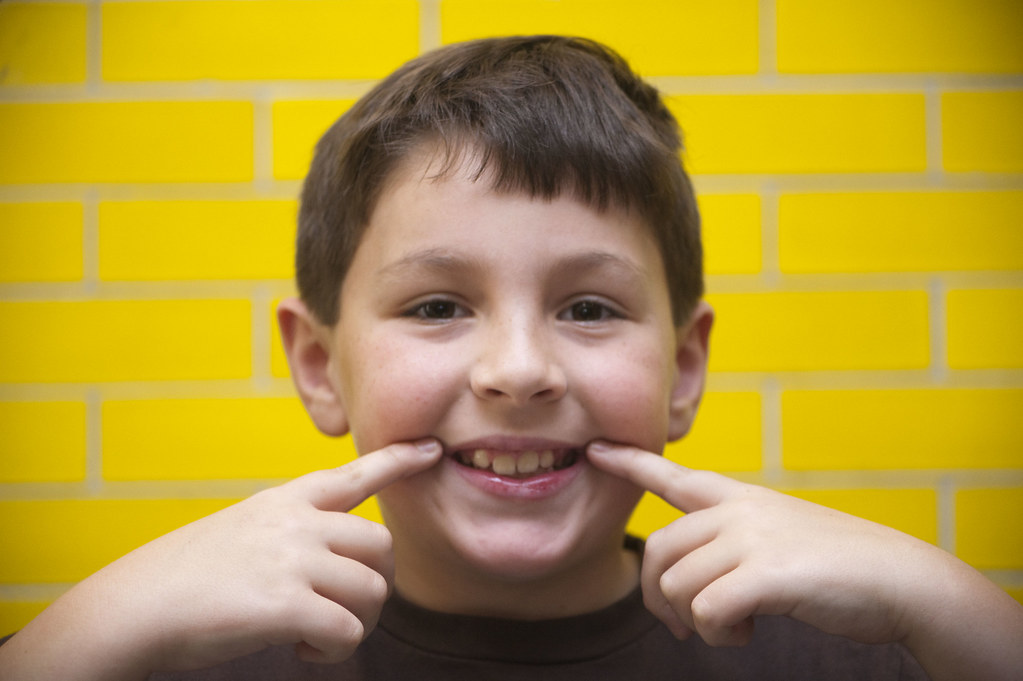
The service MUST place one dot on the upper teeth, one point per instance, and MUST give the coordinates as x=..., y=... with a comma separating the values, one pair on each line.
x=509, y=464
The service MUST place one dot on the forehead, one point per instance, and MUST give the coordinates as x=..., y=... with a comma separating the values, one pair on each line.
x=436, y=196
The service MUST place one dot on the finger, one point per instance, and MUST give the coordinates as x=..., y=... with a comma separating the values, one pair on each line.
x=360, y=539
x=329, y=632
x=723, y=612
x=344, y=488
x=678, y=586
x=664, y=548
x=358, y=589
x=684, y=488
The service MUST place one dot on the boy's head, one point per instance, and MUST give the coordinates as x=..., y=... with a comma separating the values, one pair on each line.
x=544, y=115
x=519, y=252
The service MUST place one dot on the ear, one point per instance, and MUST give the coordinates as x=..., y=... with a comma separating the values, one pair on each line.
x=691, y=353
x=307, y=345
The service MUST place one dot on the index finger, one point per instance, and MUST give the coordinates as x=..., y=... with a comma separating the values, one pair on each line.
x=344, y=488
x=684, y=488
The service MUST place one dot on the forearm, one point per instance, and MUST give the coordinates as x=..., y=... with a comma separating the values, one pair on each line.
x=75, y=639
x=973, y=631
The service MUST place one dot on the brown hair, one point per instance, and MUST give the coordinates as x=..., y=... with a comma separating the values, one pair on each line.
x=541, y=115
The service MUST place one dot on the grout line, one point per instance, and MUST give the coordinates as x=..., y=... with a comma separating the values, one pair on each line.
x=262, y=142
x=429, y=25
x=93, y=442
x=90, y=242
x=947, y=514
x=262, y=328
x=94, y=48
x=770, y=255
x=767, y=38
x=771, y=431
x=936, y=296
x=932, y=133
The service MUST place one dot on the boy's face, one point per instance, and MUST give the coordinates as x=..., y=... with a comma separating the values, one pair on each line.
x=515, y=331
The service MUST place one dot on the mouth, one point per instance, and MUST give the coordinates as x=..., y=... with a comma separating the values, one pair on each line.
x=518, y=464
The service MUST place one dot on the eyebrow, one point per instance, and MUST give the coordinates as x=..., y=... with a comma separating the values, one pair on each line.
x=434, y=259
x=444, y=261
x=600, y=260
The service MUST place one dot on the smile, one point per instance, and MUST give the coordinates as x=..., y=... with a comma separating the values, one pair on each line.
x=518, y=464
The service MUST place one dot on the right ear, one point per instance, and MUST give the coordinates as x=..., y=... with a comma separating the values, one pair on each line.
x=307, y=344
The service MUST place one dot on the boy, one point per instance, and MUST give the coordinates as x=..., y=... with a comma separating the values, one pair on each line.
x=499, y=264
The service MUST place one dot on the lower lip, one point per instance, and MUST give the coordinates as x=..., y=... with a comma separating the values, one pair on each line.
x=534, y=487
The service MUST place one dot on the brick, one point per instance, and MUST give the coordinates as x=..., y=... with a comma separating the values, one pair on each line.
x=297, y=126
x=901, y=231
x=802, y=133
x=981, y=131
x=40, y=241
x=901, y=429
x=257, y=40
x=207, y=141
x=202, y=439
x=652, y=513
x=913, y=511
x=987, y=528
x=124, y=340
x=67, y=540
x=42, y=43
x=658, y=38
x=42, y=441
x=819, y=330
x=985, y=328
x=14, y=615
x=879, y=36
x=726, y=436
x=161, y=240
x=731, y=233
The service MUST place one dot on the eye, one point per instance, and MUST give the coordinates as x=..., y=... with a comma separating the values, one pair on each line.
x=589, y=311
x=437, y=309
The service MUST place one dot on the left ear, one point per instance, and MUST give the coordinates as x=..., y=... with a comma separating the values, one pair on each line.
x=691, y=353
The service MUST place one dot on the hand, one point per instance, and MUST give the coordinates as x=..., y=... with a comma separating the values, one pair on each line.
x=743, y=550
x=288, y=565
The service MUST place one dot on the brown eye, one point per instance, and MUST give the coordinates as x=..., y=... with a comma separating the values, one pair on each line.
x=438, y=309
x=589, y=311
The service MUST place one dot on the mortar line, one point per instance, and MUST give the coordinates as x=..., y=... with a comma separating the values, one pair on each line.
x=429, y=25
x=90, y=241
x=947, y=514
x=94, y=48
x=771, y=431
x=93, y=442
x=770, y=252
x=767, y=38
x=262, y=328
x=932, y=134
x=937, y=328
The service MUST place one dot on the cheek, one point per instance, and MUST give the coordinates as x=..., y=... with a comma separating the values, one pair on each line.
x=402, y=394
x=629, y=397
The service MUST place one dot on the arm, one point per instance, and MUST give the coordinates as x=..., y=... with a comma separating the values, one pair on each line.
x=744, y=550
x=288, y=565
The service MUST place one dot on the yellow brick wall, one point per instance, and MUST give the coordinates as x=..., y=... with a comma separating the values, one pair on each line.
x=859, y=165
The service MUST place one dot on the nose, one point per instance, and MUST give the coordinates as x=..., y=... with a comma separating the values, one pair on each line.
x=517, y=365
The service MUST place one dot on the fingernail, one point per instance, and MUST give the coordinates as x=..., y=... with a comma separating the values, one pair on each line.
x=599, y=446
x=428, y=446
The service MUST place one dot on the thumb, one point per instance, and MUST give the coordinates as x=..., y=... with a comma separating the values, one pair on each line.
x=344, y=488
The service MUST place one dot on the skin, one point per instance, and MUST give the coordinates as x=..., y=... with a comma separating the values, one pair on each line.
x=459, y=326
x=743, y=550
x=497, y=321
